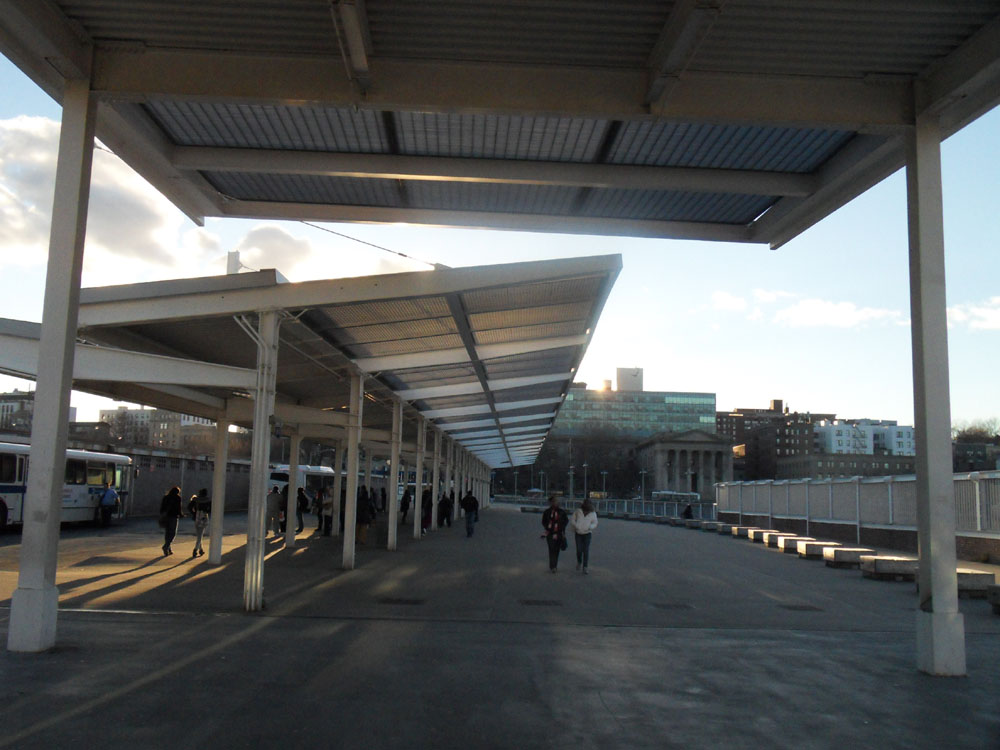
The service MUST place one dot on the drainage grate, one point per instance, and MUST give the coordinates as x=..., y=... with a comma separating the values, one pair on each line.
x=400, y=601
x=801, y=607
x=671, y=605
x=540, y=602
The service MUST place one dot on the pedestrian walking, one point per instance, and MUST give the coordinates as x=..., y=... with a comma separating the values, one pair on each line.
x=426, y=510
x=554, y=521
x=688, y=511
x=301, y=506
x=317, y=507
x=364, y=516
x=584, y=522
x=109, y=501
x=327, y=509
x=274, y=511
x=170, y=511
x=199, y=508
x=382, y=499
x=404, y=504
x=471, y=507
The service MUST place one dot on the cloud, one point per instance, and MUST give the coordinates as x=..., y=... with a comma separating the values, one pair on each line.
x=826, y=313
x=767, y=296
x=730, y=302
x=980, y=316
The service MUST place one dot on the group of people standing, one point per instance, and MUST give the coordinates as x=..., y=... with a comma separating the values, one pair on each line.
x=171, y=511
x=555, y=521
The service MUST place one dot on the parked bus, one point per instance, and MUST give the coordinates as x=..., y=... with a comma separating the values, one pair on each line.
x=310, y=477
x=86, y=473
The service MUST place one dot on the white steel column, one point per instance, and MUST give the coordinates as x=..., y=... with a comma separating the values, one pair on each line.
x=267, y=365
x=393, y=489
x=353, y=446
x=940, y=626
x=293, y=487
x=449, y=454
x=369, y=456
x=436, y=478
x=418, y=486
x=338, y=486
x=218, y=492
x=35, y=603
x=459, y=481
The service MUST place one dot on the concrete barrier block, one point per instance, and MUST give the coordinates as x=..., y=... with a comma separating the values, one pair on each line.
x=974, y=584
x=889, y=567
x=645, y=518
x=993, y=597
x=743, y=531
x=757, y=535
x=710, y=526
x=813, y=550
x=662, y=520
x=676, y=521
x=725, y=528
x=770, y=538
x=693, y=523
x=845, y=557
x=790, y=544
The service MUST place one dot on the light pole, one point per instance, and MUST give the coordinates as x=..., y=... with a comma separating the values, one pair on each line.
x=541, y=481
x=642, y=479
x=515, y=484
x=584, y=480
x=604, y=483
x=571, y=492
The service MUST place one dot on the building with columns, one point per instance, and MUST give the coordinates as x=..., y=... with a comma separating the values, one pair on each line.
x=691, y=461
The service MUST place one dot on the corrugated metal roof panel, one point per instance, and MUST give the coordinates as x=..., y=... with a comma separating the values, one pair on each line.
x=550, y=360
x=504, y=198
x=668, y=205
x=531, y=295
x=390, y=331
x=290, y=188
x=499, y=136
x=407, y=345
x=673, y=144
x=371, y=313
x=305, y=128
x=526, y=333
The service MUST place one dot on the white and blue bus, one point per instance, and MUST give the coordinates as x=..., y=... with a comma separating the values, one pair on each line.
x=310, y=478
x=83, y=486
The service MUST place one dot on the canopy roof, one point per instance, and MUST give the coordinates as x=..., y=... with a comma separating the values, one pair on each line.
x=743, y=120
x=484, y=353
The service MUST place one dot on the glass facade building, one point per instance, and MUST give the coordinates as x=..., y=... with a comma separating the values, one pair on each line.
x=638, y=414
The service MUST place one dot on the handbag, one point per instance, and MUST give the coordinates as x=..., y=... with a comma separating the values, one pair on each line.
x=564, y=544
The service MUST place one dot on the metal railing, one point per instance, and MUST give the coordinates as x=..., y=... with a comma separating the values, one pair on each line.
x=877, y=502
x=618, y=508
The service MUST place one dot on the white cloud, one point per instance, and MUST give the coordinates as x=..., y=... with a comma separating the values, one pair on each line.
x=981, y=316
x=730, y=302
x=826, y=313
x=767, y=296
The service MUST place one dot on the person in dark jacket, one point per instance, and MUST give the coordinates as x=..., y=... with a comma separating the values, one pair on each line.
x=170, y=511
x=382, y=499
x=426, y=510
x=364, y=515
x=554, y=521
x=301, y=506
x=688, y=511
x=471, y=507
x=404, y=504
x=444, y=511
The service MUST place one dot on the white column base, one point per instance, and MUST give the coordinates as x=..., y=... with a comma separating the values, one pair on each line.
x=941, y=643
x=33, y=615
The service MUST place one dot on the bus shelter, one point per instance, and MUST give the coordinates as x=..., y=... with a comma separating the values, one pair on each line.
x=736, y=120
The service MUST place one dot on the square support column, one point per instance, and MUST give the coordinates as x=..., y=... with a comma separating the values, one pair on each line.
x=459, y=481
x=353, y=461
x=418, y=486
x=293, y=487
x=393, y=489
x=218, y=492
x=940, y=626
x=34, y=605
x=338, y=486
x=436, y=478
x=260, y=455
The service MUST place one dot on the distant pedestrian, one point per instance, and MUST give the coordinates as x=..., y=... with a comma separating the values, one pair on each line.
x=471, y=507
x=444, y=511
x=317, y=507
x=274, y=511
x=584, y=522
x=170, y=511
x=554, y=520
x=199, y=507
x=283, y=508
x=301, y=506
x=688, y=511
x=327, y=510
x=109, y=501
x=382, y=499
x=363, y=516
x=426, y=510
x=404, y=504
x=372, y=507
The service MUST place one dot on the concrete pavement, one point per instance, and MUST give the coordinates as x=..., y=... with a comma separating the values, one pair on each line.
x=677, y=639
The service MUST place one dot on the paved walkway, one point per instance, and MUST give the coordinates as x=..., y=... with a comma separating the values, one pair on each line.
x=678, y=638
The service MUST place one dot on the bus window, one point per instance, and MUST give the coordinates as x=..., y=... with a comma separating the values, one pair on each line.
x=76, y=471
x=279, y=476
x=99, y=473
x=8, y=468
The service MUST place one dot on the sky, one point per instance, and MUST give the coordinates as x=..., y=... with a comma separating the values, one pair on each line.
x=822, y=323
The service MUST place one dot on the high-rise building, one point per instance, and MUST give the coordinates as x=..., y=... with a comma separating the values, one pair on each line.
x=629, y=379
x=17, y=409
x=157, y=428
x=636, y=414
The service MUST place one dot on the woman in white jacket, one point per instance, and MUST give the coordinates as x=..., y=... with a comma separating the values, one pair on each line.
x=584, y=522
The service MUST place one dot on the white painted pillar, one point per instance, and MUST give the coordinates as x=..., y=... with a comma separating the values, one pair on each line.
x=459, y=481
x=940, y=626
x=418, y=487
x=369, y=457
x=35, y=603
x=436, y=478
x=338, y=486
x=293, y=488
x=393, y=489
x=353, y=460
x=267, y=365
x=449, y=455
x=218, y=492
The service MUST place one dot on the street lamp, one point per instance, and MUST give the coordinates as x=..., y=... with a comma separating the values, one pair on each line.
x=584, y=480
x=571, y=493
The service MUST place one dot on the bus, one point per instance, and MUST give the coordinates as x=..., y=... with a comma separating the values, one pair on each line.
x=311, y=478
x=86, y=473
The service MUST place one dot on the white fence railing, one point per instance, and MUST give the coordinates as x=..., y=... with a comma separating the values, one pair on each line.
x=611, y=508
x=877, y=502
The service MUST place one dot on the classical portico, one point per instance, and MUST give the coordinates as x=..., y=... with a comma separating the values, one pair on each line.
x=690, y=461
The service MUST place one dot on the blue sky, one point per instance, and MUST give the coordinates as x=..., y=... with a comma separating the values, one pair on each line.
x=821, y=323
